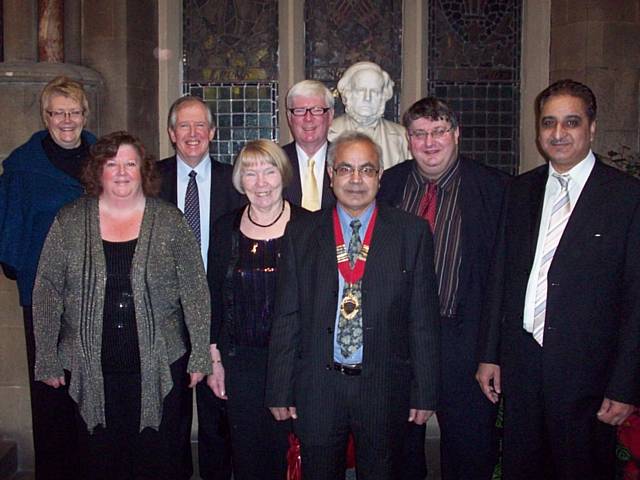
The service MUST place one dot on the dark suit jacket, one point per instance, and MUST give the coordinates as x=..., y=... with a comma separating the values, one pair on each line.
x=592, y=327
x=293, y=192
x=224, y=197
x=400, y=320
x=481, y=192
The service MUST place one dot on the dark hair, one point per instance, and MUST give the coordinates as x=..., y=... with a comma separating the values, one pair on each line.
x=106, y=148
x=431, y=108
x=573, y=89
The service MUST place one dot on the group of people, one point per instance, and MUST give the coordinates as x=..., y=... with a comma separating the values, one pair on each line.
x=305, y=289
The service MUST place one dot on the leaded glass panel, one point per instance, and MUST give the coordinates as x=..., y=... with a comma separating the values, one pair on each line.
x=474, y=65
x=340, y=33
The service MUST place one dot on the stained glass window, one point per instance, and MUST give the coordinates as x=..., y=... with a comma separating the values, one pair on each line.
x=340, y=33
x=230, y=60
x=474, y=65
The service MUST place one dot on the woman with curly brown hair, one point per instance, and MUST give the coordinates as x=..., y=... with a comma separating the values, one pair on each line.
x=121, y=314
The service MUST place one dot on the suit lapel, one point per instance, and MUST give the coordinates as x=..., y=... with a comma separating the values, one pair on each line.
x=589, y=203
x=536, y=200
x=170, y=181
x=294, y=189
x=327, y=269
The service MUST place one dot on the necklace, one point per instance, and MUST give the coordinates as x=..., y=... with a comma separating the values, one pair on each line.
x=270, y=224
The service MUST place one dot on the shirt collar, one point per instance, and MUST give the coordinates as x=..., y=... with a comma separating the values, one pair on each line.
x=580, y=172
x=345, y=218
x=445, y=181
x=202, y=169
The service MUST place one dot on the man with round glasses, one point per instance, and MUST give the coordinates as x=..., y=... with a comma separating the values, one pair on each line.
x=309, y=114
x=355, y=341
x=461, y=200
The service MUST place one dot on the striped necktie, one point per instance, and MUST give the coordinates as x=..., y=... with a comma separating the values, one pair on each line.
x=557, y=222
x=192, y=205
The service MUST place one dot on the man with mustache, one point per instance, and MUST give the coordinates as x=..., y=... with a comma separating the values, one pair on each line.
x=561, y=333
x=355, y=339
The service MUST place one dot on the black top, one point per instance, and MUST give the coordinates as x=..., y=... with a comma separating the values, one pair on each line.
x=253, y=286
x=70, y=160
x=120, y=352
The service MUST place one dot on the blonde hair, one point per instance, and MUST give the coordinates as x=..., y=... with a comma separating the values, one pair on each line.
x=67, y=88
x=261, y=151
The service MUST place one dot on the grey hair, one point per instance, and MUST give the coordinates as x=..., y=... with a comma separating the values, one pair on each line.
x=351, y=136
x=310, y=88
x=173, y=111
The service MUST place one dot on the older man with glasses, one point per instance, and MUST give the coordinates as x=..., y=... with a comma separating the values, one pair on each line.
x=309, y=114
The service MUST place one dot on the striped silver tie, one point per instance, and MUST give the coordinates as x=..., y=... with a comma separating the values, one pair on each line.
x=557, y=222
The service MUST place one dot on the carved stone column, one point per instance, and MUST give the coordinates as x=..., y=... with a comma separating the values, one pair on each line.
x=50, y=31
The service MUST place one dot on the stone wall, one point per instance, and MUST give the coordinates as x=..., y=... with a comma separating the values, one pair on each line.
x=596, y=42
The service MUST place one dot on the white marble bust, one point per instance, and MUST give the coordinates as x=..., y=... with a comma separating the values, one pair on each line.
x=365, y=89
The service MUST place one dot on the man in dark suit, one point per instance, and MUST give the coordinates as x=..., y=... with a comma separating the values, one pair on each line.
x=561, y=338
x=309, y=114
x=355, y=339
x=461, y=199
x=191, y=173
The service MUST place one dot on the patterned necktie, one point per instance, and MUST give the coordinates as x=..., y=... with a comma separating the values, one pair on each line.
x=311, y=197
x=350, y=326
x=192, y=205
x=429, y=204
x=557, y=222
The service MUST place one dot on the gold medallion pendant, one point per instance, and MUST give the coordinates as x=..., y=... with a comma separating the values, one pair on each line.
x=349, y=306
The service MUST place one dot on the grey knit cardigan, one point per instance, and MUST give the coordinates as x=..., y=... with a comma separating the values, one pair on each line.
x=171, y=302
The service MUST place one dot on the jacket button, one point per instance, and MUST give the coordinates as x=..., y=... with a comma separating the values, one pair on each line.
x=555, y=284
x=328, y=367
x=329, y=330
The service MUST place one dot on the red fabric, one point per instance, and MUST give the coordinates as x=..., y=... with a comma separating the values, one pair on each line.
x=294, y=468
x=629, y=437
x=428, y=205
x=351, y=453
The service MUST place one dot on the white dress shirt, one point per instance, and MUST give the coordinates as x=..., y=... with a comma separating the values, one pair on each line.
x=303, y=165
x=203, y=179
x=579, y=175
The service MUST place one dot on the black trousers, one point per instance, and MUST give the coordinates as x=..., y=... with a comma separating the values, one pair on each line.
x=53, y=419
x=468, y=437
x=258, y=441
x=120, y=450
x=549, y=437
x=214, y=437
x=378, y=447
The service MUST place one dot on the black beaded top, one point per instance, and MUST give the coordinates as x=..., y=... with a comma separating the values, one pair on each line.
x=120, y=351
x=254, y=286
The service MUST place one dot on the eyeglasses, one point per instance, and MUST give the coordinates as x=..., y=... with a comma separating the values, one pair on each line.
x=61, y=114
x=315, y=111
x=347, y=171
x=436, y=133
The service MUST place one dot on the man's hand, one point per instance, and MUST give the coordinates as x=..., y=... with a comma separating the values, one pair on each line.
x=216, y=381
x=284, y=413
x=419, y=417
x=195, y=378
x=54, y=382
x=614, y=413
x=488, y=376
